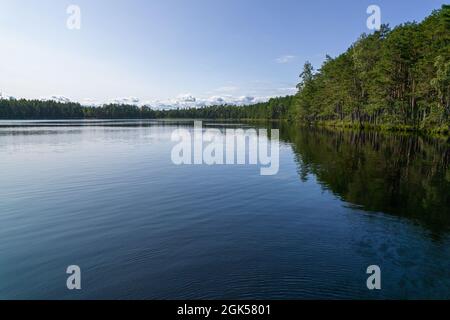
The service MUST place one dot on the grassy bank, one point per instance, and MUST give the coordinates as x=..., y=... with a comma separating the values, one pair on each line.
x=442, y=130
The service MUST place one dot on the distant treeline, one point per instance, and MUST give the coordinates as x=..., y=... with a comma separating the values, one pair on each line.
x=276, y=108
x=396, y=77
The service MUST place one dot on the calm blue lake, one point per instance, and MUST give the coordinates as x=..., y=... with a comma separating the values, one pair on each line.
x=105, y=195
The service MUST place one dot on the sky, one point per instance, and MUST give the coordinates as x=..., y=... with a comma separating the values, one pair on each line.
x=177, y=51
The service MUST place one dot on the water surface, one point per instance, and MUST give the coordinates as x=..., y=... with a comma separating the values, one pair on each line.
x=106, y=196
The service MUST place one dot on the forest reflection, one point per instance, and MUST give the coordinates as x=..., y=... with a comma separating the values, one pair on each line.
x=398, y=174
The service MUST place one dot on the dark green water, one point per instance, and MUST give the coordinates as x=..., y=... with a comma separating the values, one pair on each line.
x=107, y=197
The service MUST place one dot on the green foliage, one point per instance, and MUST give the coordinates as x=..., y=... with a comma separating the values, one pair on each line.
x=398, y=77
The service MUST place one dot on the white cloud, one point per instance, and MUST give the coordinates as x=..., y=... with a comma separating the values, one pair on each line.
x=189, y=101
x=57, y=98
x=285, y=59
x=6, y=97
x=183, y=101
x=246, y=99
x=217, y=100
x=231, y=100
x=126, y=100
x=187, y=97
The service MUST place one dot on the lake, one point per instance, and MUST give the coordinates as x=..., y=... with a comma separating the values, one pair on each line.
x=106, y=196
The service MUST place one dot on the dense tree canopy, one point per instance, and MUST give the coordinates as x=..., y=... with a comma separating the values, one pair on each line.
x=397, y=77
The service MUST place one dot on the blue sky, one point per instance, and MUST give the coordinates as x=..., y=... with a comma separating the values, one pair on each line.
x=172, y=50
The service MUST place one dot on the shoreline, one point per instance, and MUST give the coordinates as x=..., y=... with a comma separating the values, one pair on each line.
x=442, y=132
